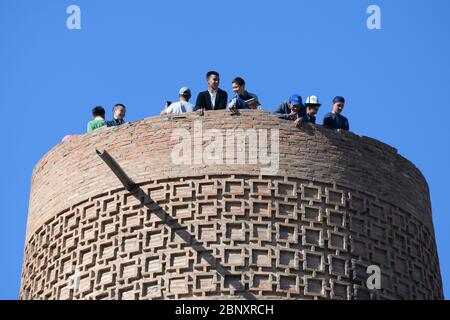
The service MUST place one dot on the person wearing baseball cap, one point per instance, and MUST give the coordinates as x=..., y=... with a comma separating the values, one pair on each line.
x=181, y=106
x=291, y=109
x=312, y=107
x=335, y=120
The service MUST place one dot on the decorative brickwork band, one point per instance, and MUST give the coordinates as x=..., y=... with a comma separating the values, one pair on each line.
x=339, y=204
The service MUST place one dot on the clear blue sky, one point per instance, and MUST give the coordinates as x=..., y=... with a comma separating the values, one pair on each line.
x=140, y=52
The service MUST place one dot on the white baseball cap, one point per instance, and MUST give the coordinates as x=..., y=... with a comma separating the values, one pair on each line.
x=313, y=100
x=184, y=91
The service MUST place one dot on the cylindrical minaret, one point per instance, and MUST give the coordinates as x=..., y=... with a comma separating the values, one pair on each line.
x=241, y=207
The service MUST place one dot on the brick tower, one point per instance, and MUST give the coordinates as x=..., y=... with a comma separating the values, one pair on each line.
x=309, y=228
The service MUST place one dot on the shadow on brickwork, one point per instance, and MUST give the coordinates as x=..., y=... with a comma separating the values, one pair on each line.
x=173, y=224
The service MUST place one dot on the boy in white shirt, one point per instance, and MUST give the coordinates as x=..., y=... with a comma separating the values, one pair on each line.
x=181, y=106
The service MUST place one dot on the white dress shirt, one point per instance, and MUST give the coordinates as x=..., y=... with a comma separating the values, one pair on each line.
x=213, y=98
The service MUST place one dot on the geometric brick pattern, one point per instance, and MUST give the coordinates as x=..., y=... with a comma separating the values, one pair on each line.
x=231, y=236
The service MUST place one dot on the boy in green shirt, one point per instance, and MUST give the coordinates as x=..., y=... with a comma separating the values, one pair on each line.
x=98, y=119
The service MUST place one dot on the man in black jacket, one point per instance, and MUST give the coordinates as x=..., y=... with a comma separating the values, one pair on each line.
x=119, y=112
x=214, y=98
x=335, y=120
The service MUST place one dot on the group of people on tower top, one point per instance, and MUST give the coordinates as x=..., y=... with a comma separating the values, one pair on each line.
x=294, y=109
x=98, y=117
x=215, y=98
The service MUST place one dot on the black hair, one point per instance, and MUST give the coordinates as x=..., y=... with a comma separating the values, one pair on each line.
x=119, y=105
x=212, y=73
x=98, y=111
x=239, y=81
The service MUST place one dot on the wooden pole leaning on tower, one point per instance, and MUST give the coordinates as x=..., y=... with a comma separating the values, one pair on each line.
x=117, y=170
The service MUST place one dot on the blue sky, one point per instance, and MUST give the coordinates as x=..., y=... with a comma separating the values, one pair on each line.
x=396, y=80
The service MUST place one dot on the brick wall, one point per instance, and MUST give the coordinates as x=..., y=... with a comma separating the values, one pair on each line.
x=337, y=204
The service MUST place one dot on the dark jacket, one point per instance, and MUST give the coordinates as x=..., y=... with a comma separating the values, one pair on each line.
x=204, y=100
x=283, y=111
x=309, y=119
x=240, y=100
x=335, y=121
x=115, y=122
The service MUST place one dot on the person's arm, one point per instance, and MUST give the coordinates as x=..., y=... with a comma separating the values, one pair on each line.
x=328, y=122
x=190, y=107
x=346, y=124
x=166, y=109
x=223, y=100
x=198, y=102
x=89, y=127
x=232, y=103
x=257, y=104
x=298, y=123
x=280, y=112
x=302, y=111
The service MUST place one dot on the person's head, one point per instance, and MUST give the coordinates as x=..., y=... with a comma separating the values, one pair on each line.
x=295, y=102
x=238, y=86
x=98, y=112
x=312, y=109
x=185, y=94
x=312, y=105
x=213, y=79
x=119, y=111
x=338, y=104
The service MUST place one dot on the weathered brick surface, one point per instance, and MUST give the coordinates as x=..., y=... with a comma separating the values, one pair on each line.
x=338, y=203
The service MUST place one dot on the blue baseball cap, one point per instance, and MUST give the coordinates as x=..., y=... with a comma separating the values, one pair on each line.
x=296, y=99
x=339, y=99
